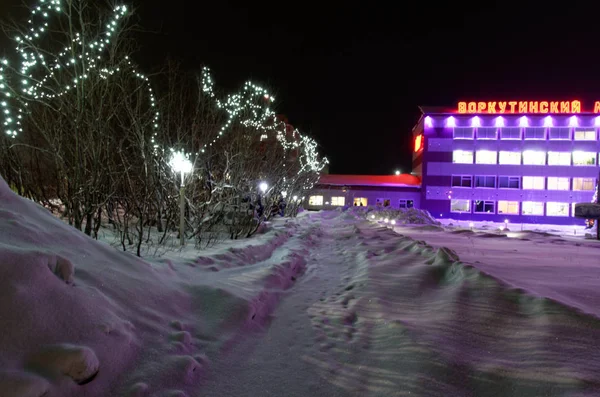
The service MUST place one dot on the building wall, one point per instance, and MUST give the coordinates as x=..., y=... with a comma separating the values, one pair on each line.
x=371, y=193
x=438, y=166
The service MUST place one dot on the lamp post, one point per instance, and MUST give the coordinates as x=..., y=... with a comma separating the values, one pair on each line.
x=180, y=163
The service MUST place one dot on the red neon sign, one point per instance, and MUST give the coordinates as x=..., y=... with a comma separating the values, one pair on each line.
x=540, y=107
x=418, y=143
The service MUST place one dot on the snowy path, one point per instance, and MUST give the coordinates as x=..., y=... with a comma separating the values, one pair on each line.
x=274, y=360
x=378, y=314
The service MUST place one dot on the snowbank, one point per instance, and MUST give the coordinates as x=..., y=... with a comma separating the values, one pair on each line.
x=81, y=318
x=410, y=216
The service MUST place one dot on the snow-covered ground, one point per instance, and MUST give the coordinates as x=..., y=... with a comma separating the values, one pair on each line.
x=328, y=304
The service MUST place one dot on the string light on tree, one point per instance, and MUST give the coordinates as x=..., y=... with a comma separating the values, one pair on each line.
x=44, y=76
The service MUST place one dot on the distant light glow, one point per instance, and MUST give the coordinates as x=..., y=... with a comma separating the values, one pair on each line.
x=476, y=122
x=597, y=121
x=573, y=121
x=548, y=121
x=428, y=122
x=397, y=172
x=451, y=122
x=263, y=187
x=523, y=122
x=499, y=122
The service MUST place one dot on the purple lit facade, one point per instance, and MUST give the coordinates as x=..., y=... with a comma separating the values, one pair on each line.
x=524, y=168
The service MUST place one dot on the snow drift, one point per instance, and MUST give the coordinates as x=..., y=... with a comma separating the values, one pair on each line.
x=80, y=318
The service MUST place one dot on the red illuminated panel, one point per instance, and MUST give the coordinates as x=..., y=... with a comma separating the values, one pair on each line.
x=418, y=143
x=536, y=107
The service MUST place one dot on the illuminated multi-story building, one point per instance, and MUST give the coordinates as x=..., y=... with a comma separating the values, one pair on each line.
x=521, y=161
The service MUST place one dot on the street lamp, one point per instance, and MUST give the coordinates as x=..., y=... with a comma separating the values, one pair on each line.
x=180, y=163
x=397, y=172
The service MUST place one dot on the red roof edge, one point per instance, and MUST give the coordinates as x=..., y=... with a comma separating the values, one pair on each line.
x=370, y=180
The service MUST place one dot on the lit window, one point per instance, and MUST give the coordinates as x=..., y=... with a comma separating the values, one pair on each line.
x=584, y=184
x=535, y=133
x=463, y=133
x=510, y=133
x=584, y=158
x=338, y=201
x=532, y=208
x=557, y=209
x=556, y=183
x=487, y=133
x=584, y=134
x=488, y=181
x=460, y=206
x=360, y=201
x=462, y=157
x=462, y=181
x=483, y=207
x=533, y=182
x=405, y=203
x=531, y=157
x=509, y=182
x=509, y=158
x=508, y=207
x=557, y=134
x=559, y=158
x=315, y=200
x=383, y=202
x=486, y=157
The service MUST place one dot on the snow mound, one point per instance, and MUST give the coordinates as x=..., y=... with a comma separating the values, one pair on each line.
x=402, y=216
x=81, y=318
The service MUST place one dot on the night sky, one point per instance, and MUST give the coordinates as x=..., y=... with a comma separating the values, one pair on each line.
x=352, y=74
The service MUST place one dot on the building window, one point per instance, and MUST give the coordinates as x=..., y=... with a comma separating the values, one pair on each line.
x=508, y=207
x=509, y=182
x=338, y=201
x=558, y=183
x=532, y=208
x=535, y=133
x=360, y=201
x=557, y=209
x=383, y=202
x=315, y=200
x=510, y=133
x=509, y=158
x=405, y=204
x=488, y=181
x=531, y=157
x=584, y=184
x=559, y=158
x=463, y=133
x=483, y=207
x=462, y=181
x=462, y=157
x=557, y=134
x=584, y=158
x=588, y=134
x=460, y=206
x=533, y=183
x=487, y=133
x=486, y=157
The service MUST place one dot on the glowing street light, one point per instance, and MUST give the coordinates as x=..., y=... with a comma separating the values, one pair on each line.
x=263, y=187
x=180, y=163
x=397, y=172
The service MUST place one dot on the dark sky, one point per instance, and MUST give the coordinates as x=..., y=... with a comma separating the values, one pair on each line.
x=352, y=74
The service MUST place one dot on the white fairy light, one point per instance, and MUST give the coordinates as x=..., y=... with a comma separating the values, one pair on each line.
x=37, y=74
